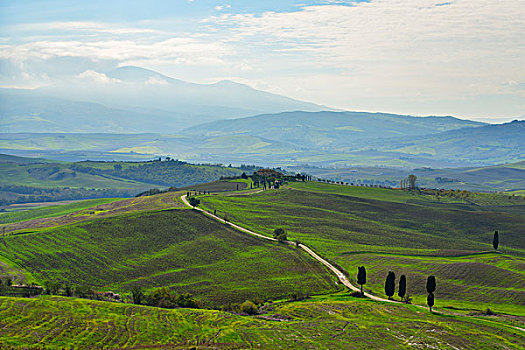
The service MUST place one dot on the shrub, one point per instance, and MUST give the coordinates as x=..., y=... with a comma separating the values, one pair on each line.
x=249, y=308
x=280, y=234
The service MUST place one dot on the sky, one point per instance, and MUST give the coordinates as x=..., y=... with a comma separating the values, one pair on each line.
x=421, y=57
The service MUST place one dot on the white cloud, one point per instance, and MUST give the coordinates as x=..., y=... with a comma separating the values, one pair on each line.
x=96, y=77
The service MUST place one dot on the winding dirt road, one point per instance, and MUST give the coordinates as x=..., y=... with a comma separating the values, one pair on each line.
x=342, y=278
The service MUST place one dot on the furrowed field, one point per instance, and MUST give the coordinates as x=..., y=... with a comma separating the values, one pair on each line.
x=181, y=249
x=387, y=230
x=55, y=322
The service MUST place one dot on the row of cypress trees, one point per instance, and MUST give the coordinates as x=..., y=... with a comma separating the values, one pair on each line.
x=402, y=290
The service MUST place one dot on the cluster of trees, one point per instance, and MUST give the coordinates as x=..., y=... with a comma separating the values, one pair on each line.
x=194, y=201
x=408, y=183
x=28, y=194
x=163, y=297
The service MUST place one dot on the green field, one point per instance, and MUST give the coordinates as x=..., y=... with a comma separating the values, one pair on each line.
x=399, y=231
x=182, y=249
x=55, y=322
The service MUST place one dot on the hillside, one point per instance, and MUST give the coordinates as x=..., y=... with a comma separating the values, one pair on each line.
x=156, y=241
x=33, y=180
x=388, y=230
x=330, y=130
x=55, y=323
x=174, y=247
x=485, y=145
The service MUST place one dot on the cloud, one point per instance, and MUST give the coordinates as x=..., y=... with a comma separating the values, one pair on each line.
x=96, y=77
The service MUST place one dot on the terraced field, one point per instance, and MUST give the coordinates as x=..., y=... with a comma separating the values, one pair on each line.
x=405, y=234
x=182, y=249
x=55, y=322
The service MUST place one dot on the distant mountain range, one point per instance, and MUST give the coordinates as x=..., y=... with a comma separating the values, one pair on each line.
x=135, y=113
x=132, y=100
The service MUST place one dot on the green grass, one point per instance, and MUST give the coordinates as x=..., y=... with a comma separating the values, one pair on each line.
x=182, y=249
x=421, y=233
x=56, y=322
x=51, y=211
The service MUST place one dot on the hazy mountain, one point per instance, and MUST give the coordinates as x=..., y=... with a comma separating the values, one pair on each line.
x=134, y=87
x=32, y=111
x=330, y=129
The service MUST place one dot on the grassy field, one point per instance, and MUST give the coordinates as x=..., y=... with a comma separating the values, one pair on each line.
x=182, y=249
x=399, y=231
x=55, y=322
x=67, y=215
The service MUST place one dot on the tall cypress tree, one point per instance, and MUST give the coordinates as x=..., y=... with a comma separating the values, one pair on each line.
x=495, y=240
x=402, y=287
x=431, y=284
x=430, y=301
x=361, y=277
x=390, y=284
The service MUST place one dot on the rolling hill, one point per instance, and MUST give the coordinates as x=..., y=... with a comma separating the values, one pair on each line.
x=178, y=248
x=405, y=232
x=25, y=180
x=330, y=130
x=155, y=241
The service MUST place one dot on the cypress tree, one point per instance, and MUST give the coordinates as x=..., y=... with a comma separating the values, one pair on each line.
x=430, y=301
x=495, y=241
x=361, y=277
x=402, y=287
x=390, y=284
x=431, y=284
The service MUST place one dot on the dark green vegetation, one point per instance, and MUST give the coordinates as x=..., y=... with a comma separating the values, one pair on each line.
x=404, y=232
x=23, y=180
x=182, y=249
x=55, y=322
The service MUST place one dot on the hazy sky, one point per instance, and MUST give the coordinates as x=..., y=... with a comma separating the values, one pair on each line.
x=464, y=58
